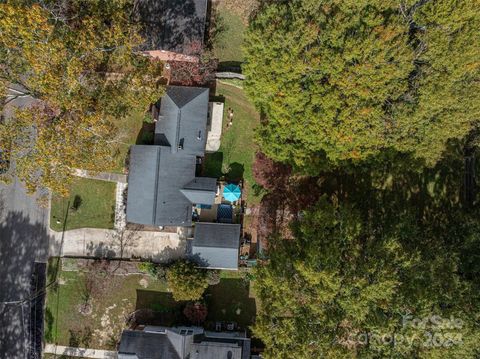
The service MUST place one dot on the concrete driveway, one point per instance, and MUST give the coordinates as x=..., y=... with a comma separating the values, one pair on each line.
x=23, y=242
x=160, y=247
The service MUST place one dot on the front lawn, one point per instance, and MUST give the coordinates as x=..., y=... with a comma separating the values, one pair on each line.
x=110, y=299
x=91, y=204
x=89, y=305
x=235, y=157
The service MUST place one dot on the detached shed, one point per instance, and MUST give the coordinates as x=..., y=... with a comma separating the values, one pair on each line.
x=216, y=245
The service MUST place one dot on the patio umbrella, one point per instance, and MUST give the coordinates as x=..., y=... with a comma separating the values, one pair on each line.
x=232, y=192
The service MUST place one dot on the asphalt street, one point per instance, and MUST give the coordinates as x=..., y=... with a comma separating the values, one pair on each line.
x=23, y=245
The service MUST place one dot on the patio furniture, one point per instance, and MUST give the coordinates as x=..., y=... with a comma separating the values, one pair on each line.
x=232, y=192
x=224, y=213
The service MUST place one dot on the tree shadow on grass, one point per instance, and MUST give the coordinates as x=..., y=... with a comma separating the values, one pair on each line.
x=48, y=326
x=230, y=66
x=230, y=301
x=165, y=311
x=212, y=166
x=146, y=135
x=235, y=172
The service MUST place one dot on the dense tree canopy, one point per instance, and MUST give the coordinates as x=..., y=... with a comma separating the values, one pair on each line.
x=187, y=281
x=344, y=80
x=387, y=247
x=79, y=59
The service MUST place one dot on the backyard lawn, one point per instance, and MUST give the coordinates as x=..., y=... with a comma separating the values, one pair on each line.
x=232, y=300
x=91, y=204
x=228, y=47
x=235, y=157
x=111, y=298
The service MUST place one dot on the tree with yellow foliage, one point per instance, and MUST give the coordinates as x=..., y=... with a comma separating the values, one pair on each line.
x=79, y=59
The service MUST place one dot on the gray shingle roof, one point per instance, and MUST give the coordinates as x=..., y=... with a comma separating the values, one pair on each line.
x=170, y=343
x=182, y=123
x=155, y=179
x=16, y=99
x=161, y=184
x=216, y=245
x=172, y=25
x=146, y=345
x=202, y=184
x=201, y=190
x=199, y=197
x=217, y=350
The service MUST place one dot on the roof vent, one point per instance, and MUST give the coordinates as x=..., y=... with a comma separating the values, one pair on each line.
x=199, y=136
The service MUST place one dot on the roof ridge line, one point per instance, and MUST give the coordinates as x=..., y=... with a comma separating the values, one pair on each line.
x=203, y=89
x=155, y=195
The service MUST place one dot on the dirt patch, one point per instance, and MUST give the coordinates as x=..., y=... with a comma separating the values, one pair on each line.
x=108, y=267
x=112, y=321
x=143, y=282
x=85, y=309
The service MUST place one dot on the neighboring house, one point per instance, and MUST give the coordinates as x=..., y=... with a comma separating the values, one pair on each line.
x=163, y=188
x=183, y=343
x=173, y=29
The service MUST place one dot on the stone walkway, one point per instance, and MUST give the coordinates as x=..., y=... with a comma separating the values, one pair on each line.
x=120, y=211
x=80, y=352
x=160, y=247
x=102, y=176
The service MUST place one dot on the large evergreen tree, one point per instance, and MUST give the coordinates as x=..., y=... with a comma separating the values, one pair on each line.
x=390, y=246
x=343, y=80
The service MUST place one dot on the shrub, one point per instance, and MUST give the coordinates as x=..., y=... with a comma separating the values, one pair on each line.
x=186, y=281
x=149, y=268
x=195, y=312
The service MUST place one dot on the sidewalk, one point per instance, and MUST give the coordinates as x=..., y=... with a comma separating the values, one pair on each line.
x=80, y=352
x=160, y=247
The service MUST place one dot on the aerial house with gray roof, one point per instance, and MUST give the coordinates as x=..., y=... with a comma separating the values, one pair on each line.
x=183, y=343
x=163, y=188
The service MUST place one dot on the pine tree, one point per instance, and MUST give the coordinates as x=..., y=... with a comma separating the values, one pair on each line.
x=340, y=81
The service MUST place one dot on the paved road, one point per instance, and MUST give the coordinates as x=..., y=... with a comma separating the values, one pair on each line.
x=23, y=241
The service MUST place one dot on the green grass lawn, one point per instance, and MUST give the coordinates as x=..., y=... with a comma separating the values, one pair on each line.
x=231, y=300
x=113, y=297
x=237, y=151
x=95, y=202
x=228, y=46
